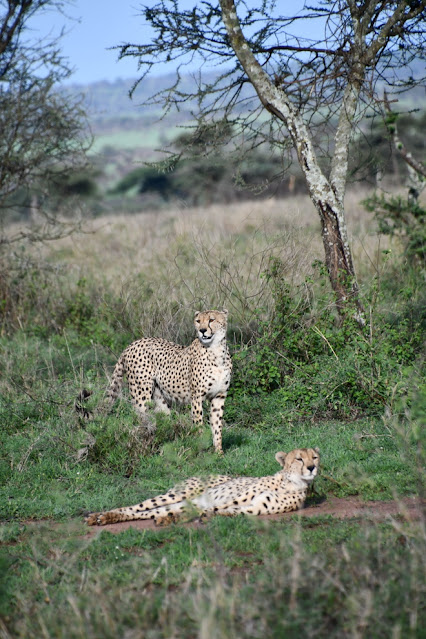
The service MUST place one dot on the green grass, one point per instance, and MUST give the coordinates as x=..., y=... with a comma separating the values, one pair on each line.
x=231, y=578
x=108, y=460
x=99, y=463
x=228, y=578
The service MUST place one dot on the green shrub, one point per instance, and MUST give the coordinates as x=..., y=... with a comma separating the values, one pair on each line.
x=402, y=218
x=322, y=367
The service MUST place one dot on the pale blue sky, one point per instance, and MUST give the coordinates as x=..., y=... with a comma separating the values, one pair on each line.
x=94, y=26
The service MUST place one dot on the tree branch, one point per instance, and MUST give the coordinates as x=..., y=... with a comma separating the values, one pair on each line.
x=327, y=201
x=340, y=160
x=274, y=99
x=399, y=17
x=281, y=47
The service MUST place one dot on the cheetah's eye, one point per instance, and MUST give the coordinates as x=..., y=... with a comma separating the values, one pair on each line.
x=299, y=459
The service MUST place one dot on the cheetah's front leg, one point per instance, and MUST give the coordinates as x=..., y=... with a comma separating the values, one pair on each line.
x=216, y=414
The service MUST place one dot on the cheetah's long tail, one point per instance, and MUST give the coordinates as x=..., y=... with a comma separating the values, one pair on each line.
x=111, y=394
x=116, y=381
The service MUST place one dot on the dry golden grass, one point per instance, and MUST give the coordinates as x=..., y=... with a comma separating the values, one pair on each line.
x=120, y=246
x=163, y=265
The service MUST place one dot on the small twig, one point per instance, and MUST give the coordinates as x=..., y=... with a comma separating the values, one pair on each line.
x=339, y=483
x=25, y=457
x=33, y=398
x=317, y=330
x=71, y=360
x=370, y=435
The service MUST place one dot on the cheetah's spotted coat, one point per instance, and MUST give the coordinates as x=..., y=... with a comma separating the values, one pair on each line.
x=165, y=372
x=283, y=492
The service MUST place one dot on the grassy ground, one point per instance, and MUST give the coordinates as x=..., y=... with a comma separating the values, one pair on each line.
x=232, y=577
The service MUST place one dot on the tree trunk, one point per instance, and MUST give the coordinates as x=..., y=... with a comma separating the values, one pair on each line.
x=327, y=195
x=339, y=263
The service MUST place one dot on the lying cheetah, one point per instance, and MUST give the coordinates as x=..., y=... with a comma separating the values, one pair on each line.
x=283, y=492
x=165, y=372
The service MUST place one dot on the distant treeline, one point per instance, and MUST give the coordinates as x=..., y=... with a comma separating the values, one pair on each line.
x=208, y=172
x=216, y=178
x=204, y=167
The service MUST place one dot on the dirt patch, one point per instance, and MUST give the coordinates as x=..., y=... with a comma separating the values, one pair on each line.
x=409, y=508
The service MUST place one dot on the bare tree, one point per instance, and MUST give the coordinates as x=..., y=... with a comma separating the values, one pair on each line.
x=301, y=82
x=44, y=132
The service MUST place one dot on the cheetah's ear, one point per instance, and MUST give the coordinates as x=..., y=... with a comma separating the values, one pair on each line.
x=316, y=449
x=280, y=457
x=225, y=311
x=196, y=314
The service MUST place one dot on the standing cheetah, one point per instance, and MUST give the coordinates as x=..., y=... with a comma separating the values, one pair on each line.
x=165, y=372
x=280, y=493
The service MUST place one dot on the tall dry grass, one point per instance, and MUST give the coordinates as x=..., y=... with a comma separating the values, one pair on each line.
x=163, y=265
x=116, y=247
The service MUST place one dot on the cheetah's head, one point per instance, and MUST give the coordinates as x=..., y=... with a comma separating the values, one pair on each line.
x=300, y=465
x=211, y=326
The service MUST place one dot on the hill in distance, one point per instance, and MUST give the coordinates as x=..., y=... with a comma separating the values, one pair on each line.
x=129, y=131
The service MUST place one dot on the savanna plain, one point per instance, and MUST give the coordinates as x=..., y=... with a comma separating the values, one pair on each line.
x=301, y=379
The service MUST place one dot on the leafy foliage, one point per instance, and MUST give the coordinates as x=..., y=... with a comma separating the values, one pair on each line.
x=404, y=219
x=320, y=367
